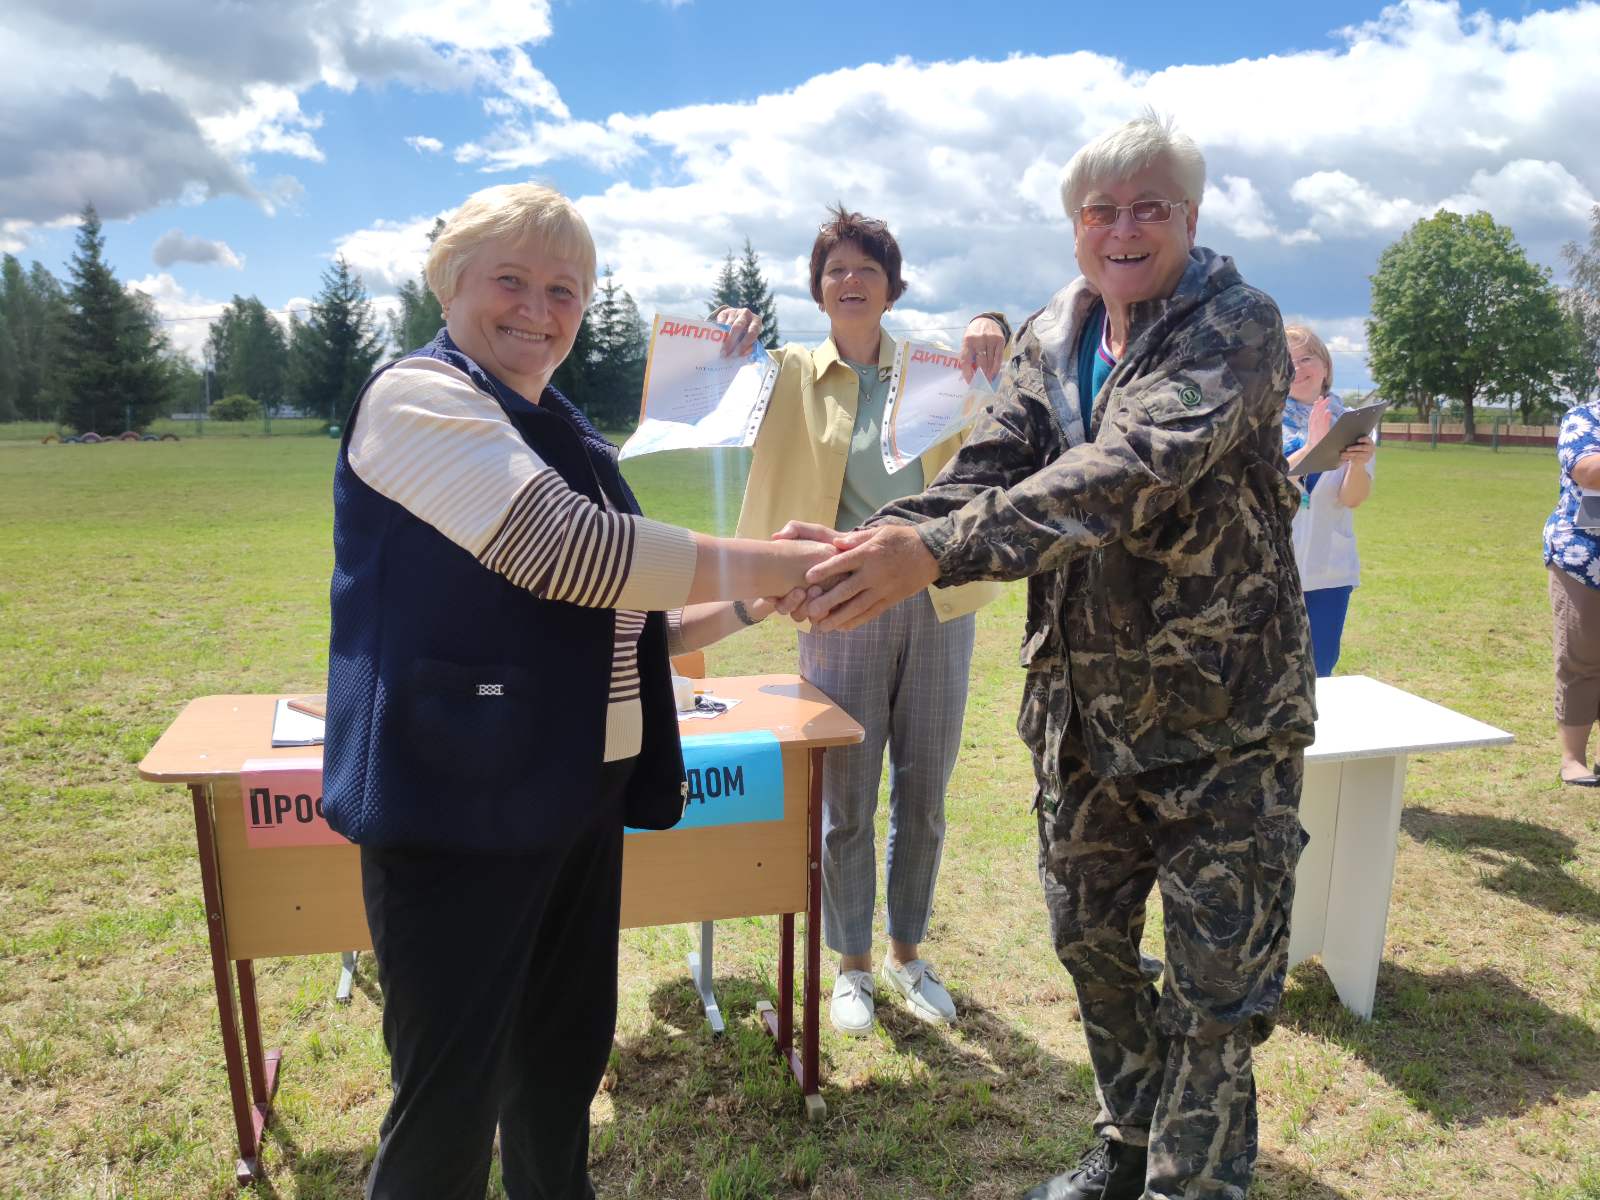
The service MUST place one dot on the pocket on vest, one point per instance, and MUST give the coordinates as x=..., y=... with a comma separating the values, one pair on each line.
x=469, y=723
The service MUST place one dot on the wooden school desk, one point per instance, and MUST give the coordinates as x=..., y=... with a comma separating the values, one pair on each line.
x=263, y=903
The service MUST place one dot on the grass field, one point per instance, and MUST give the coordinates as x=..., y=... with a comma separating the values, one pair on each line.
x=134, y=577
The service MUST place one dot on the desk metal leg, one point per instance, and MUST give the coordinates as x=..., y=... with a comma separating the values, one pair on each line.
x=1362, y=876
x=810, y=1086
x=347, y=976
x=263, y=1067
x=780, y=1024
x=700, y=972
x=247, y=1169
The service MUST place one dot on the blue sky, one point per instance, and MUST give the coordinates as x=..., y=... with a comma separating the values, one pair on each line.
x=236, y=149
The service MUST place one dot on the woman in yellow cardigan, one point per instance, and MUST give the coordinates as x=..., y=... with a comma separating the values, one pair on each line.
x=904, y=675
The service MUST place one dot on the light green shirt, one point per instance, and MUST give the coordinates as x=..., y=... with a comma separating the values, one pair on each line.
x=868, y=486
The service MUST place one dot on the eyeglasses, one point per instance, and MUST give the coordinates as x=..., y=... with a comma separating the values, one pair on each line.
x=1145, y=212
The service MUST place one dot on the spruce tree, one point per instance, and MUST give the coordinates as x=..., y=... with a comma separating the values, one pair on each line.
x=338, y=345
x=111, y=367
x=755, y=295
x=726, y=293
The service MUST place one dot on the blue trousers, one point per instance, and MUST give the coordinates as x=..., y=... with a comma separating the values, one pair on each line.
x=1327, y=608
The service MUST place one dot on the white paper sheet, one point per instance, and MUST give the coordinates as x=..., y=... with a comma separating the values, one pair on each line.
x=928, y=401
x=694, y=397
x=290, y=727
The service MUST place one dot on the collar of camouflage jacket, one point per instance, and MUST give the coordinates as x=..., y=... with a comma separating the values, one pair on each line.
x=1058, y=324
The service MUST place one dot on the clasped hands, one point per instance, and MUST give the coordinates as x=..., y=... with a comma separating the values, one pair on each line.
x=873, y=570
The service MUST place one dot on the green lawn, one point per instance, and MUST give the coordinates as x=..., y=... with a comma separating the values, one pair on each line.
x=133, y=577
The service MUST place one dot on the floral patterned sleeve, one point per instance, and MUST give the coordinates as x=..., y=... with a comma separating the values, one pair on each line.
x=1580, y=436
x=1575, y=551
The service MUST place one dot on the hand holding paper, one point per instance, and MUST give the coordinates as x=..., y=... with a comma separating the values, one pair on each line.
x=930, y=399
x=983, y=348
x=697, y=396
x=744, y=327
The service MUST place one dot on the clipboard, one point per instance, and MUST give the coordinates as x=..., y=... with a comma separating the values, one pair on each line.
x=1355, y=424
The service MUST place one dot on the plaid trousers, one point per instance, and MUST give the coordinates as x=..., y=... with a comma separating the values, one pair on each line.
x=903, y=677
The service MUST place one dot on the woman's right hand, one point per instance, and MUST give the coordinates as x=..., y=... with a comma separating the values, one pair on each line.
x=745, y=327
x=1320, y=421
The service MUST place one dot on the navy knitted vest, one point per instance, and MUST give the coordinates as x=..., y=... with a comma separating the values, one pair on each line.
x=464, y=712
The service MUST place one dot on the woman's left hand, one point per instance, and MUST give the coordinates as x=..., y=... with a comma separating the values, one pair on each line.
x=1359, y=451
x=983, y=348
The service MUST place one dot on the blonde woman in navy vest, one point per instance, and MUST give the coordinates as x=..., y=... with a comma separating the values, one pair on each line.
x=500, y=704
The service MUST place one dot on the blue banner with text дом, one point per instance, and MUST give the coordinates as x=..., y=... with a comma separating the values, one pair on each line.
x=734, y=779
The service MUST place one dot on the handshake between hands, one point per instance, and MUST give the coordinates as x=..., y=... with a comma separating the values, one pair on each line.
x=864, y=573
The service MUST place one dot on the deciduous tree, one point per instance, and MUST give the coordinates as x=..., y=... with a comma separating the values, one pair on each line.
x=1459, y=311
x=250, y=352
x=1581, y=300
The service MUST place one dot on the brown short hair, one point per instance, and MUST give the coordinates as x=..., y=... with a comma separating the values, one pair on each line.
x=1299, y=336
x=871, y=234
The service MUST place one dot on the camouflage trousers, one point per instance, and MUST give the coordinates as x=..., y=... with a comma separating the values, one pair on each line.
x=1221, y=838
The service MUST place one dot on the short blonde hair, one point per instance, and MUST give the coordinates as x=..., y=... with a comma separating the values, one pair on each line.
x=520, y=212
x=1300, y=337
x=1130, y=148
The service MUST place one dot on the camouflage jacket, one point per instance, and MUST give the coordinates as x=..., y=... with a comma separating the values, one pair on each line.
x=1163, y=600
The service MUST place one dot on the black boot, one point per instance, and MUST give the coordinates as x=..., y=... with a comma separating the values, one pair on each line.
x=1109, y=1171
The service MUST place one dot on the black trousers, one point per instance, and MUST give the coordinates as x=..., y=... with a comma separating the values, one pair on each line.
x=499, y=977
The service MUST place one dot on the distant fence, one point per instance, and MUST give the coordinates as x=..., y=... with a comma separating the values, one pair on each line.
x=1455, y=432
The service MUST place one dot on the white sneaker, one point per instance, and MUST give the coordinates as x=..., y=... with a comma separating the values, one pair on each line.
x=925, y=995
x=852, y=1008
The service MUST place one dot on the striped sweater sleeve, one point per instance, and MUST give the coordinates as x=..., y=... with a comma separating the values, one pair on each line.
x=427, y=439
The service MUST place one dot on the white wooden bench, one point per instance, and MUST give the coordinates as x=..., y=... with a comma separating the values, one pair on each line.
x=1355, y=778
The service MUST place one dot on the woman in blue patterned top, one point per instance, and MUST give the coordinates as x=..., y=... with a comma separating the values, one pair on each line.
x=1324, y=528
x=1572, y=556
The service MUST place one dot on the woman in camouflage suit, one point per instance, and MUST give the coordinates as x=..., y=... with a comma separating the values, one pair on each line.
x=1131, y=467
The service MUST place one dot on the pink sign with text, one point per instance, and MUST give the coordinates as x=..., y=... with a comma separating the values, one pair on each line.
x=283, y=804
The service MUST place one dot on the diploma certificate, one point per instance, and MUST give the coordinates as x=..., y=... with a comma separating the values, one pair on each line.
x=928, y=401
x=696, y=397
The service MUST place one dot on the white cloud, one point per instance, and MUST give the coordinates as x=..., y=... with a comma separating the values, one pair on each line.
x=1525, y=188
x=424, y=144
x=1317, y=157
x=269, y=121
x=1238, y=207
x=388, y=253
x=1340, y=204
x=185, y=316
x=136, y=106
x=177, y=246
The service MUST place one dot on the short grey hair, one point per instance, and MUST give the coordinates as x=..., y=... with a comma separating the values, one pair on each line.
x=519, y=211
x=1128, y=149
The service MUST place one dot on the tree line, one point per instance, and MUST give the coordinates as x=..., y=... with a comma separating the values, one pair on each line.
x=1459, y=315
x=91, y=355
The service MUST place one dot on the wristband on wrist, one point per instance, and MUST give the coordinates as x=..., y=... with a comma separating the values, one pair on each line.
x=743, y=613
